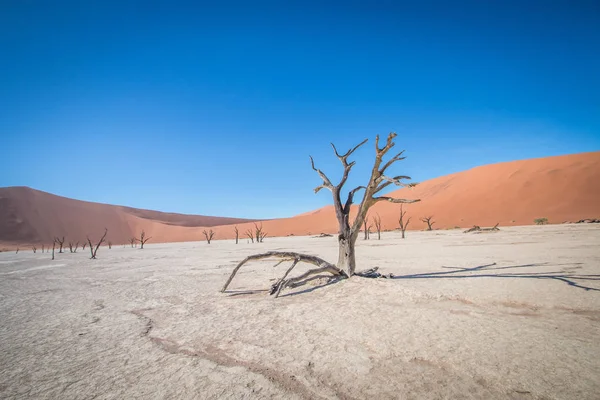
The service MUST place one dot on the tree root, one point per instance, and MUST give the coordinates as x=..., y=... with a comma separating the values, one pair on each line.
x=277, y=287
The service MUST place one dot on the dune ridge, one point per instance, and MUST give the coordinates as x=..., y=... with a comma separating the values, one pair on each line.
x=561, y=188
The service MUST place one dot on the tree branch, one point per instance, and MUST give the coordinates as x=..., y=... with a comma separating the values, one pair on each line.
x=326, y=182
x=396, y=201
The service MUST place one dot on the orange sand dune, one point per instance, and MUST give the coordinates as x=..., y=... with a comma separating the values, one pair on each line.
x=564, y=188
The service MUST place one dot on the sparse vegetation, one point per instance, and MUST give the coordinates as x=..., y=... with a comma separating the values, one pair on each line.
x=348, y=230
x=540, y=221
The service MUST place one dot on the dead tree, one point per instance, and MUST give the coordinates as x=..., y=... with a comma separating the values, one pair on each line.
x=93, y=250
x=348, y=230
x=209, y=235
x=403, y=224
x=17, y=252
x=84, y=244
x=143, y=239
x=109, y=245
x=132, y=241
x=53, y=247
x=43, y=248
x=250, y=235
x=429, y=222
x=60, y=243
x=237, y=234
x=259, y=233
x=73, y=249
x=367, y=228
x=377, y=223
x=34, y=249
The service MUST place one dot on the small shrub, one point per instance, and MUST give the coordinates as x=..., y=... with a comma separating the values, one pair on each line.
x=541, y=221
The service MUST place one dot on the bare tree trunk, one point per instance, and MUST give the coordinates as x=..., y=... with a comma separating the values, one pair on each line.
x=403, y=224
x=377, y=222
x=34, y=249
x=346, y=254
x=237, y=234
x=53, y=246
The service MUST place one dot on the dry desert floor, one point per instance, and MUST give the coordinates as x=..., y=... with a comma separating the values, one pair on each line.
x=507, y=315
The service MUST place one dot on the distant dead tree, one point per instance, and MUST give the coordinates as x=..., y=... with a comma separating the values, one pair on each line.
x=84, y=244
x=259, y=233
x=250, y=235
x=53, y=247
x=133, y=241
x=109, y=245
x=403, y=224
x=209, y=235
x=367, y=228
x=348, y=230
x=429, y=222
x=60, y=243
x=17, y=252
x=73, y=249
x=34, y=248
x=237, y=234
x=42, y=247
x=377, y=223
x=93, y=250
x=143, y=239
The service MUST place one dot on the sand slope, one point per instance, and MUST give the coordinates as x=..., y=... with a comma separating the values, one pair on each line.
x=564, y=188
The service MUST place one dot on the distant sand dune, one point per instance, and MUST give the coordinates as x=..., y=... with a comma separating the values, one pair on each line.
x=564, y=188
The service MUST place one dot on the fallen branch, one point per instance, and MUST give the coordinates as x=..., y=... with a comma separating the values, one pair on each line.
x=323, y=266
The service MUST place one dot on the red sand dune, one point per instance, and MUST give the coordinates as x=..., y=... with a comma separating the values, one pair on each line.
x=564, y=188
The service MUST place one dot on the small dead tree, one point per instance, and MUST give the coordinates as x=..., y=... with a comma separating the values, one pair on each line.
x=377, y=223
x=133, y=241
x=109, y=245
x=93, y=250
x=84, y=244
x=403, y=224
x=250, y=235
x=73, y=249
x=60, y=242
x=143, y=239
x=348, y=230
x=34, y=249
x=209, y=235
x=259, y=233
x=429, y=221
x=43, y=247
x=17, y=252
x=237, y=234
x=367, y=228
x=53, y=247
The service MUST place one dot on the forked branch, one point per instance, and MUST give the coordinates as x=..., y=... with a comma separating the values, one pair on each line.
x=93, y=250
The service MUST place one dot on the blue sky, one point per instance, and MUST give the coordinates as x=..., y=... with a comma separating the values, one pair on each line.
x=206, y=109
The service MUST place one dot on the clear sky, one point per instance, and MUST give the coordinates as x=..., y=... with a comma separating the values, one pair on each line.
x=206, y=109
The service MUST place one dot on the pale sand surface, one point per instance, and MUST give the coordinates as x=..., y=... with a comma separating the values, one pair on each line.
x=151, y=324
